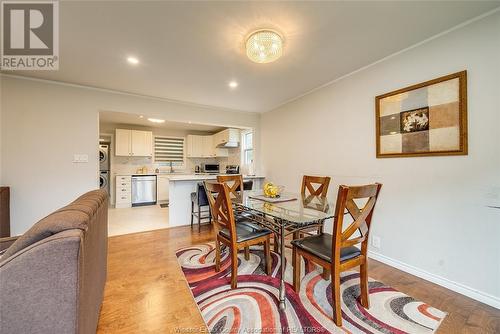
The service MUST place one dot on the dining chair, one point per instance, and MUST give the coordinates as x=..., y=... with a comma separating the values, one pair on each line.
x=314, y=185
x=235, y=236
x=337, y=251
x=248, y=185
x=235, y=184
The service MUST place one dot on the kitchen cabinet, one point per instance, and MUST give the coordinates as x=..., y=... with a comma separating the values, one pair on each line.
x=123, y=191
x=208, y=147
x=221, y=152
x=231, y=136
x=203, y=147
x=133, y=143
x=162, y=188
x=142, y=143
x=123, y=139
x=194, y=146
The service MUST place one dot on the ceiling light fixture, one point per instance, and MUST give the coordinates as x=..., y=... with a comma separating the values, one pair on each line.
x=156, y=120
x=264, y=46
x=133, y=60
x=233, y=84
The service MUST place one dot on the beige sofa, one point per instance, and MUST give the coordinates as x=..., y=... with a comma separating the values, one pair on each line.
x=52, y=277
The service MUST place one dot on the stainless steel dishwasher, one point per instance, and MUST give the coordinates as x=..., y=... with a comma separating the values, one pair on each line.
x=143, y=190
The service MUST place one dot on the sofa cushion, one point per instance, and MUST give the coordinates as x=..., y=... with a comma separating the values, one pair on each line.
x=98, y=196
x=50, y=225
x=73, y=216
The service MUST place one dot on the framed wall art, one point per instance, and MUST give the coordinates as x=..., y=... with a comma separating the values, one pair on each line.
x=426, y=119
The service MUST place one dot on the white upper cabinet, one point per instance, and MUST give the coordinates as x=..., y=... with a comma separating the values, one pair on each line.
x=206, y=146
x=227, y=136
x=123, y=142
x=133, y=143
x=142, y=143
x=194, y=146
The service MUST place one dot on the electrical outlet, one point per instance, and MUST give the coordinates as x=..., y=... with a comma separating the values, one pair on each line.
x=376, y=241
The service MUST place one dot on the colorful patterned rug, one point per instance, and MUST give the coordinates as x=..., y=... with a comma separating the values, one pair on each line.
x=253, y=306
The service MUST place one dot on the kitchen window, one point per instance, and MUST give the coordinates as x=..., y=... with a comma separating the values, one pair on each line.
x=169, y=150
x=247, y=148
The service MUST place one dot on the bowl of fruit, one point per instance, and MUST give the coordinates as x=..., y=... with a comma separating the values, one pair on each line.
x=272, y=191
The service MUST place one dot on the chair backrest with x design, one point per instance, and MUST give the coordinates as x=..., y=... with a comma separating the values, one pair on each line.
x=234, y=183
x=309, y=183
x=221, y=207
x=362, y=217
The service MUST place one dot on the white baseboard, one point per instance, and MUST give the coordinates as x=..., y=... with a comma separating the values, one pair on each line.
x=444, y=282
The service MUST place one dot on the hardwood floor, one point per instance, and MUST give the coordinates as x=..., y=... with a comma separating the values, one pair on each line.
x=146, y=291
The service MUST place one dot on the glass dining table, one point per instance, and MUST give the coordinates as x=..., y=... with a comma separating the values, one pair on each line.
x=289, y=214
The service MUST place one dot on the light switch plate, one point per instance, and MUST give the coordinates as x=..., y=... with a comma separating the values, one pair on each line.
x=80, y=158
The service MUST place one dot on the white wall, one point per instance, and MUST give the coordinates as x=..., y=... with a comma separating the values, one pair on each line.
x=432, y=216
x=43, y=124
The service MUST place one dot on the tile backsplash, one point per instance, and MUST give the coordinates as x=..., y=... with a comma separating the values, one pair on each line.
x=130, y=165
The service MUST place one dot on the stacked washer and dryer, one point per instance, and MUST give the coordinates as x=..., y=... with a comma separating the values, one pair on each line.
x=104, y=178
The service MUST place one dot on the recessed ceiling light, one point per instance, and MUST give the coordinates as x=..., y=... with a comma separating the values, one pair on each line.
x=264, y=46
x=133, y=60
x=233, y=84
x=156, y=120
x=141, y=116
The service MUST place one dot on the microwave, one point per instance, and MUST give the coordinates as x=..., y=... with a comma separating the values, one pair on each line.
x=211, y=168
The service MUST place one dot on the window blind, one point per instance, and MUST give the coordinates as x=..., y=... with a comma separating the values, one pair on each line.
x=169, y=149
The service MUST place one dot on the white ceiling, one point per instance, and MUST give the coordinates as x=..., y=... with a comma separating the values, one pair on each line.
x=189, y=51
x=113, y=117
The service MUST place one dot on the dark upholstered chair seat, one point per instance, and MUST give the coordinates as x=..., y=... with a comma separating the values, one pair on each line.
x=246, y=231
x=321, y=246
x=241, y=216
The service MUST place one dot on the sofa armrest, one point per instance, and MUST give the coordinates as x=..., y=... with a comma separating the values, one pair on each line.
x=39, y=286
x=6, y=242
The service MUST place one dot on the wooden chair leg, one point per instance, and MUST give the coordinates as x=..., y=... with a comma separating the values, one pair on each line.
x=296, y=270
x=247, y=253
x=217, y=254
x=326, y=274
x=267, y=255
x=199, y=219
x=336, y=301
x=192, y=212
x=363, y=276
x=234, y=268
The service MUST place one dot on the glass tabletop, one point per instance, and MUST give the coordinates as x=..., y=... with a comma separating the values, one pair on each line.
x=294, y=208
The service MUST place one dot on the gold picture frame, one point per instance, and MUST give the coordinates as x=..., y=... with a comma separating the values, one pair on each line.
x=426, y=119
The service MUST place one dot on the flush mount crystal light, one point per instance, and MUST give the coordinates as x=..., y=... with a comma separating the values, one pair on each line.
x=156, y=120
x=264, y=46
x=133, y=60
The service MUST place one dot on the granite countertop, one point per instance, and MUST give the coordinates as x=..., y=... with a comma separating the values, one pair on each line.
x=193, y=177
x=190, y=177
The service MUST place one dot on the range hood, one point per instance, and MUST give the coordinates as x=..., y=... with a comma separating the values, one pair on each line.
x=228, y=144
x=227, y=138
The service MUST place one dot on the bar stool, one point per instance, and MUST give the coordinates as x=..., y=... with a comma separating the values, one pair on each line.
x=199, y=199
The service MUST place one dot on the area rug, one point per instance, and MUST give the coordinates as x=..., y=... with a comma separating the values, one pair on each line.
x=253, y=306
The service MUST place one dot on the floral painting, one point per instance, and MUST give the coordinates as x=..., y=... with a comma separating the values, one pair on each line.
x=415, y=120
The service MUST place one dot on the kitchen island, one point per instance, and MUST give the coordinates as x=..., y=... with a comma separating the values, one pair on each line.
x=180, y=189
